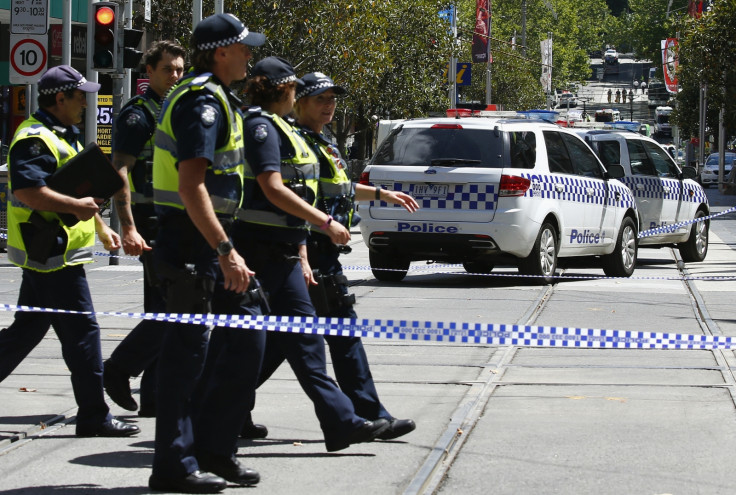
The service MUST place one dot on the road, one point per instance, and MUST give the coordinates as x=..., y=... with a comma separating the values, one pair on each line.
x=594, y=94
x=507, y=419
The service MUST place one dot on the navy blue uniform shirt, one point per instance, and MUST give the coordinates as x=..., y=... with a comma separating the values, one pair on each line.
x=134, y=126
x=31, y=161
x=264, y=149
x=197, y=134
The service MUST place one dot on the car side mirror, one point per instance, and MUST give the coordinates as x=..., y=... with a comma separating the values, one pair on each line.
x=689, y=172
x=615, y=171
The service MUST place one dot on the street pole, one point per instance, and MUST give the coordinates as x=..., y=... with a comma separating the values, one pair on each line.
x=488, y=56
x=451, y=70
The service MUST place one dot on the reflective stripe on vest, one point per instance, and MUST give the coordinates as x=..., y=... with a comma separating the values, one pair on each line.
x=304, y=165
x=80, y=237
x=227, y=169
x=336, y=186
x=140, y=176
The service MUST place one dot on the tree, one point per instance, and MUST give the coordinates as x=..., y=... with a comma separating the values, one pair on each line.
x=707, y=56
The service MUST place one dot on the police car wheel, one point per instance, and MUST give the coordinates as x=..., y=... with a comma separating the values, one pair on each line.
x=696, y=247
x=622, y=261
x=388, y=268
x=478, y=266
x=542, y=261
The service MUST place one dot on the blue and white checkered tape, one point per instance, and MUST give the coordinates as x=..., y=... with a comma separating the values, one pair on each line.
x=429, y=331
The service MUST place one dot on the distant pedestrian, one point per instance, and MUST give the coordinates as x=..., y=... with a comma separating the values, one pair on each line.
x=609, y=95
x=618, y=96
x=643, y=87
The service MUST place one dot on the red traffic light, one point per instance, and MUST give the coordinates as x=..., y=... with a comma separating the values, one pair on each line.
x=105, y=16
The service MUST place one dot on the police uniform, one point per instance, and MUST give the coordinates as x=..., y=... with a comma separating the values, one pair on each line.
x=134, y=133
x=199, y=118
x=52, y=255
x=269, y=238
x=336, y=197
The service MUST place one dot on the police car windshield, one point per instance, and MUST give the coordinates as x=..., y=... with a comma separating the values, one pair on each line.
x=441, y=146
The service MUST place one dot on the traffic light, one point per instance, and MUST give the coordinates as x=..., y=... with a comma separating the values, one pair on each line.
x=105, y=51
x=131, y=55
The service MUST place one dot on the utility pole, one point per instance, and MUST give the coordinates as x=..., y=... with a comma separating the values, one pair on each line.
x=523, y=28
x=452, y=69
x=488, y=55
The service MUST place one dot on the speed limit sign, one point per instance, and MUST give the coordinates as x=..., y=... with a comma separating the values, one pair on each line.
x=28, y=58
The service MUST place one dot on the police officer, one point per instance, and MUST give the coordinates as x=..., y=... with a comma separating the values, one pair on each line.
x=52, y=253
x=316, y=100
x=618, y=95
x=197, y=185
x=609, y=95
x=271, y=231
x=133, y=157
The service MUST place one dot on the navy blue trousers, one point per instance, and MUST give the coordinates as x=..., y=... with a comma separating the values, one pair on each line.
x=349, y=359
x=282, y=279
x=213, y=423
x=138, y=351
x=79, y=336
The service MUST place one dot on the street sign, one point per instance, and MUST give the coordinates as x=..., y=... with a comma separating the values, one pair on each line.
x=28, y=58
x=29, y=17
x=462, y=72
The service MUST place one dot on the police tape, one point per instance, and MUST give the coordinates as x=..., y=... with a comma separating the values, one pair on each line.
x=429, y=331
x=671, y=228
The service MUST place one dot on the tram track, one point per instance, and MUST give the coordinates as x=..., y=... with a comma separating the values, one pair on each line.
x=428, y=478
x=462, y=421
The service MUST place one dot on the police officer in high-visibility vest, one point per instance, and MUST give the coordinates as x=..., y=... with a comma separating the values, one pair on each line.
x=271, y=231
x=197, y=186
x=316, y=100
x=133, y=157
x=52, y=251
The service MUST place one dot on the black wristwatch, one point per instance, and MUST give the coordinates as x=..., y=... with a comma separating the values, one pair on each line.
x=224, y=248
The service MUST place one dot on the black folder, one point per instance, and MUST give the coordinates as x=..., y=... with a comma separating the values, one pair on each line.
x=88, y=173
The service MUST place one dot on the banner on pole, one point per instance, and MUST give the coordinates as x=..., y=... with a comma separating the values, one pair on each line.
x=481, y=35
x=670, y=63
x=546, y=78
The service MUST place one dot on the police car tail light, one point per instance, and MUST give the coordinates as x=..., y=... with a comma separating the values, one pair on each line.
x=364, y=178
x=447, y=126
x=512, y=185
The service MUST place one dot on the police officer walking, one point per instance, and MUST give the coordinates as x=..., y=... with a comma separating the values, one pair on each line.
x=609, y=95
x=52, y=252
x=271, y=231
x=316, y=100
x=133, y=157
x=197, y=181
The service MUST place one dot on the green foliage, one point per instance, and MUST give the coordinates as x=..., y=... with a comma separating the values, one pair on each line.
x=708, y=56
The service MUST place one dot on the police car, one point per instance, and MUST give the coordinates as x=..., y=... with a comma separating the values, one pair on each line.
x=665, y=194
x=494, y=190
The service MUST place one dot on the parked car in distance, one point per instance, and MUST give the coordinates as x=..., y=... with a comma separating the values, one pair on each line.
x=709, y=174
x=493, y=190
x=611, y=56
x=567, y=99
x=665, y=194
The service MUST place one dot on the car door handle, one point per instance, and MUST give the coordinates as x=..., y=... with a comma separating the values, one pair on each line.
x=559, y=187
x=640, y=187
x=589, y=191
x=666, y=189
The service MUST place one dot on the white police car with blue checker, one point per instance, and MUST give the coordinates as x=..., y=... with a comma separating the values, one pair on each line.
x=496, y=190
x=665, y=194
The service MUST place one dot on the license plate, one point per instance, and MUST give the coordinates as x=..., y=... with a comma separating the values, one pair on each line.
x=430, y=190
